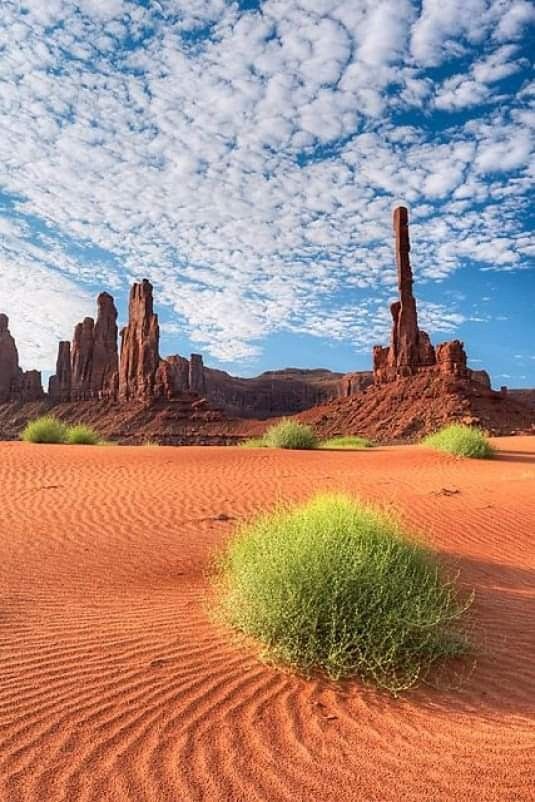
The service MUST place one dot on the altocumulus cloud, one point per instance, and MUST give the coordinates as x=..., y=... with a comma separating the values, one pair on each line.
x=246, y=157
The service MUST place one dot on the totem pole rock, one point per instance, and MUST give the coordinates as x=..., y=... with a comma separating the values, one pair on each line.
x=139, y=346
x=105, y=365
x=59, y=385
x=82, y=359
x=9, y=360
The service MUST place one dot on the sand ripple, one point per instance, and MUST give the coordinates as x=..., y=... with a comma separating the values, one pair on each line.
x=116, y=686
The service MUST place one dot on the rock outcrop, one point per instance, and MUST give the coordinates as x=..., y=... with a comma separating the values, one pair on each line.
x=82, y=359
x=59, y=385
x=9, y=360
x=105, y=366
x=140, y=340
x=89, y=368
x=410, y=350
x=15, y=384
x=197, y=383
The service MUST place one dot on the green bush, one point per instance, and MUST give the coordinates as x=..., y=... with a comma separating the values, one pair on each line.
x=290, y=434
x=348, y=441
x=82, y=435
x=463, y=441
x=45, y=429
x=334, y=585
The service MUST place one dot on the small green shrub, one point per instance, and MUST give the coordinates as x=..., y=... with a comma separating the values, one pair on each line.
x=290, y=434
x=461, y=440
x=45, y=429
x=348, y=441
x=253, y=442
x=334, y=585
x=82, y=435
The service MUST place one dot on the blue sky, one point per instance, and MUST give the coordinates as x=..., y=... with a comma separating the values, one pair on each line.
x=246, y=157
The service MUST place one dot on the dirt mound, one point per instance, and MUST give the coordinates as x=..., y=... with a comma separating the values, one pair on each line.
x=411, y=407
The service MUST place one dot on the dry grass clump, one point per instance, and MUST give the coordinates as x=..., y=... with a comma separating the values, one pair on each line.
x=286, y=433
x=461, y=440
x=82, y=435
x=335, y=585
x=46, y=429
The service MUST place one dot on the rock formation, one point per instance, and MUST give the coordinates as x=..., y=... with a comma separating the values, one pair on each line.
x=9, y=360
x=89, y=367
x=59, y=385
x=410, y=351
x=197, y=382
x=82, y=359
x=140, y=339
x=15, y=384
x=105, y=367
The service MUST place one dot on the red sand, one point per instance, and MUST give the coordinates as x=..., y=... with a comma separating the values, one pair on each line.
x=115, y=686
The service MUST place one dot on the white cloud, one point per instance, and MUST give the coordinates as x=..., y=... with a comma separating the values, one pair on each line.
x=43, y=308
x=251, y=172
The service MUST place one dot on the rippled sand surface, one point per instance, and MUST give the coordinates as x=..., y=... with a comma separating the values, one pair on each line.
x=115, y=685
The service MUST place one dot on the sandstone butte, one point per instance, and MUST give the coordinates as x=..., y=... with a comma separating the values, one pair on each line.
x=131, y=393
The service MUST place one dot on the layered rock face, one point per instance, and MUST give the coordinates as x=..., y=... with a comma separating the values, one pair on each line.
x=410, y=351
x=15, y=384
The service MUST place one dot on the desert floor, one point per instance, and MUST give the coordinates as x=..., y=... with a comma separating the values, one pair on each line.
x=115, y=685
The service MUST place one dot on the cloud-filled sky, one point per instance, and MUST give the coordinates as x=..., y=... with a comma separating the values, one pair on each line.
x=246, y=157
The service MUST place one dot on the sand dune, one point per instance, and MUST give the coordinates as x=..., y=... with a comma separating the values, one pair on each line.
x=115, y=686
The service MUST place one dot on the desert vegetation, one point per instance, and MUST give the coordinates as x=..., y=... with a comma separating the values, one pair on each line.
x=286, y=433
x=290, y=434
x=48, y=429
x=45, y=429
x=336, y=585
x=348, y=441
x=82, y=435
x=461, y=440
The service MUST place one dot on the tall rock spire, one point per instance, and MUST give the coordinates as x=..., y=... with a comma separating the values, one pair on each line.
x=9, y=360
x=410, y=347
x=59, y=385
x=140, y=338
x=15, y=384
x=105, y=368
x=405, y=320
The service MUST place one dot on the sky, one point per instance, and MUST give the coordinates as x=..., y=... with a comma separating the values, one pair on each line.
x=246, y=157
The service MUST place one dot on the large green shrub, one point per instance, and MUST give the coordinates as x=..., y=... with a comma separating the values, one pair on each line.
x=461, y=440
x=82, y=435
x=45, y=429
x=334, y=585
x=290, y=434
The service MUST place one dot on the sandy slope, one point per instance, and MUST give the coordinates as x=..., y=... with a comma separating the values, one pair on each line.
x=114, y=685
